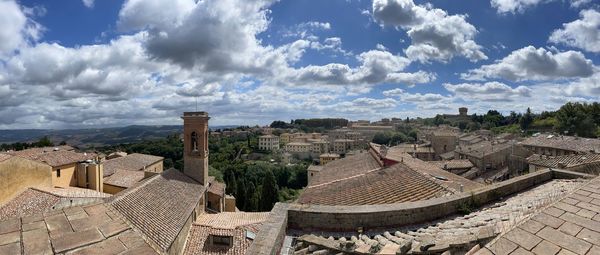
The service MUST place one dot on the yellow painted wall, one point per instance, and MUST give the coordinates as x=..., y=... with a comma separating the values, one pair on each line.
x=110, y=189
x=67, y=176
x=156, y=167
x=18, y=174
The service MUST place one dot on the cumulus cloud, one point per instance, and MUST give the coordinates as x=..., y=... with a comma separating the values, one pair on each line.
x=88, y=3
x=519, y=6
x=529, y=63
x=376, y=67
x=16, y=27
x=211, y=35
x=583, y=33
x=435, y=35
x=489, y=91
x=415, y=97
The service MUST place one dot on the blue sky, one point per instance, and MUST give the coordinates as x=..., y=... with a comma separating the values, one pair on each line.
x=68, y=64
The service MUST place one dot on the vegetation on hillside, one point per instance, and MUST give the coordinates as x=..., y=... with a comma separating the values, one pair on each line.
x=257, y=185
x=581, y=119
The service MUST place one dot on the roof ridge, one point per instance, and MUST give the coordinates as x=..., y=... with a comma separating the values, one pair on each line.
x=117, y=197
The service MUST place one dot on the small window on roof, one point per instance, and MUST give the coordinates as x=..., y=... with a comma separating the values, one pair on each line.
x=222, y=240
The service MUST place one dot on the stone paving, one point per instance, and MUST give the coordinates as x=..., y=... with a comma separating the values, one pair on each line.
x=94, y=229
x=568, y=226
x=457, y=233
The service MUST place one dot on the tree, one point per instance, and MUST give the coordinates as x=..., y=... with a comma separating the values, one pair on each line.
x=269, y=192
x=526, y=120
x=381, y=138
x=43, y=142
x=253, y=197
x=576, y=119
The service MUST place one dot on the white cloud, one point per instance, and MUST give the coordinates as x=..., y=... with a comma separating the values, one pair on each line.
x=16, y=28
x=88, y=3
x=376, y=67
x=489, y=91
x=519, y=6
x=529, y=63
x=416, y=97
x=583, y=33
x=435, y=35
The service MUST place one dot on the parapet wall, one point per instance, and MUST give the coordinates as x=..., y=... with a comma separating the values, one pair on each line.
x=350, y=218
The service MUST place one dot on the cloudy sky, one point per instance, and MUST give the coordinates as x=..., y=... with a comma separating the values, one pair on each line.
x=72, y=64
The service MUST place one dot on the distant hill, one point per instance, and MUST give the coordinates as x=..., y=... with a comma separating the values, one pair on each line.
x=94, y=136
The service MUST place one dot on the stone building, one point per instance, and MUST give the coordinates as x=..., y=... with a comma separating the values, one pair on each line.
x=558, y=145
x=582, y=163
x=123, y=172
x=268, y=142
x=159, y=215
x=486, y=155
x=328, y=157
x=443, y=141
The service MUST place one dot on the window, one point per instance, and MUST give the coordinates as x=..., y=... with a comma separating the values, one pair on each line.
x=57, y=172
x=194, y=141
x=222, y=240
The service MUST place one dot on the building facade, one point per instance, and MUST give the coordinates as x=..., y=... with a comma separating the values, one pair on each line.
x=268, y=142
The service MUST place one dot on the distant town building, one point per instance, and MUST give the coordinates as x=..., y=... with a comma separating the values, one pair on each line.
x=462, y=111
x=583, y=163
x=328, y=157
x=558, y=145
x=268, y=142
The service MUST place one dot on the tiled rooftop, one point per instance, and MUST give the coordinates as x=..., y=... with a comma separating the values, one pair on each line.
x=483, y=148
x=453, y=164
x=54, y=156
x=28, y=202
x=95, y=229
x=439, y=175
x=160, y=205
x=394, y=184
x=217, y=188
x=4, y=156
x=568, y=226
x=233, y=224
x=124, y=178
x=197, y=243
x=131, y=162
x=453, y=233
x=569, y=143
x=346, y=167
x=38, y=200
x=567, y=161
x=231, y=220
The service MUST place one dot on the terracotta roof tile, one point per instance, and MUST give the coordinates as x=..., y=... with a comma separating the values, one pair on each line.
x=453, y=164
x=160, y=205
x=231, y=220
x=432, y=171
x=53, y=157
x=29, y=202
x=394, y=184
x=124, y=178
x=198, y=244
x=569, y=143
x=217, y=188
x=4, y=156
x=131, y=162
x=346, y=167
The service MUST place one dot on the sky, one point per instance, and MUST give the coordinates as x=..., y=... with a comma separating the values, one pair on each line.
x=88, y=64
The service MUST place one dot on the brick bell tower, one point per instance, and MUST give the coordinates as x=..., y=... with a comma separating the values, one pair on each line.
x=195, y=146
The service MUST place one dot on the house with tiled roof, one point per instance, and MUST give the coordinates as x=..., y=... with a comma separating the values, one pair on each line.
x=583, y=163
x=123, y=172
x=558, y=145
x=381, y=176
x=64, y=162
x=154, y=216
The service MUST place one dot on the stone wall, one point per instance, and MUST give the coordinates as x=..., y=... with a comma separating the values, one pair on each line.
x=270, y=236
x=18, y=174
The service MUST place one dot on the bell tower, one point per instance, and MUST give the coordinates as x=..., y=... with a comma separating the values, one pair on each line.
x=195, y=146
